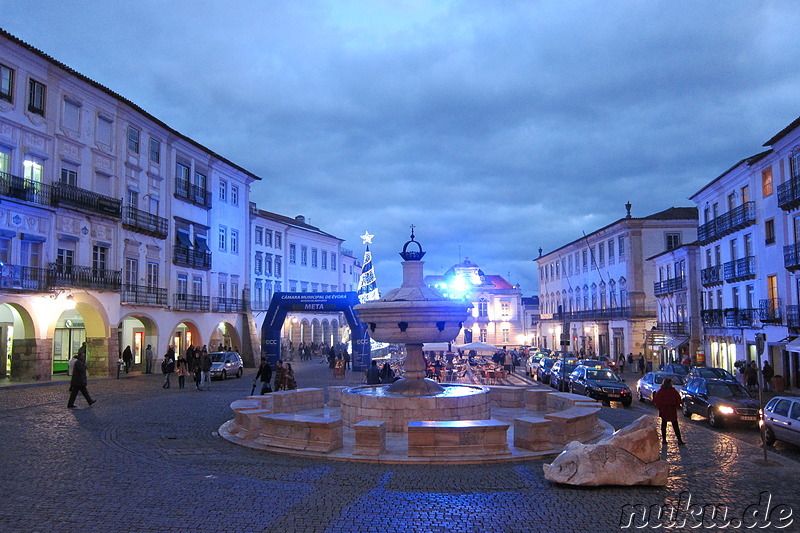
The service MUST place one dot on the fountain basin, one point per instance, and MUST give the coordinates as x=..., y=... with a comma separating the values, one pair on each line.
x=377, y=402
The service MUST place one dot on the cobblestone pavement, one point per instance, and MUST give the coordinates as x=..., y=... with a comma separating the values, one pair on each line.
x=144, y=458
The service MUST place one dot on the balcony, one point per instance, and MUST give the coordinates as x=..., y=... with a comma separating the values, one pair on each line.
x=64, y=195
x=712, y=318
x=259, y=305
x=23, y=278
x=29, y=191
x=192, y=193
x=673, y=328
x=789, y=194
x=144, y=222
x=143, y=295
x=711, y=276
x=740, y=269
x=191, y=302
x=607, y=314
x=735, y=219
x=793, y=316
x=668, y=286
x=791, y=257
x=191, y=256
x=741, y=318
x=73, y=276
x=771, y=311
x=227, y=305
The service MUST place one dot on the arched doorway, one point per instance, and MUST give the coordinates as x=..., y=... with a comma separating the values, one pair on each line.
x=184, y=335
x=225, y=335
x=138, y=331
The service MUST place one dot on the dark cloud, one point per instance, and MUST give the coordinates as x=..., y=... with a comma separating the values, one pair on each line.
x=495, y=127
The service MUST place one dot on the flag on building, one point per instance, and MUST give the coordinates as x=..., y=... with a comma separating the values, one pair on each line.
x=367, y=283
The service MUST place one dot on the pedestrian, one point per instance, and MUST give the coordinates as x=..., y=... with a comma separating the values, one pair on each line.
x=127, y=358
x=767, y=371
x=667, y=400
x=346, y=357
x=288, y=377
x=182, y=371
x=265, y=373
x=167, y=368
x=387, y=374
x=205, y=367
x=331, y=358
x=279, y=373
x=621, y=360
x=148, y=359
x=641, y=363
x=373, y=374
x=751, y=376
x=79, y=381
x=196, y=369
x=71, y=364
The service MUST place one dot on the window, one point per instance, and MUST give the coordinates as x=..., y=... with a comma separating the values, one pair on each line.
x=769, y=231
x=223, y=190
x=314, y=258
x=65, y=258
x=673, y=240
x=324, y=264
x=278, y=266
x=69, y=177
x=585, y=261
x=5, y=161
x=200, y=180
x=505, y=310
x=293, y=254
x=794, y=164
x=745, y=194
x=278, y=240
x=483, y=307
x=483, y=335
x=259, y=235
x=268, y=238
x=505, y=335
x=6, y=83
x=5, y=249
x=223, y=238
x=133, y=139
x=183, y=284
x=748, y=244
x=234, y=195
x=33, y=169
x=333, y=261
x=133, y=198
x=152, y=275
x=621, y=247
x=223, y=289
x=155, y=151
x=259, y=264
x=182, y=172
x=601, y=253
x=30, y=253
x=304, y=255
x=234, y=241
x=611, y=251
x=197, y=286
x=131, y=271
x=268, y=265
x=99, y=259
x=71, y=114
x=36, y=97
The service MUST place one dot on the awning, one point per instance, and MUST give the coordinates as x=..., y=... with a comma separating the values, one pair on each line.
x=200, y=240
x=183, y=239
x=676, y=342
x=793, y=345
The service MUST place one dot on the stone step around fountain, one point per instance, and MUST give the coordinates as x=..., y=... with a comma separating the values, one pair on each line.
x=370, y=438
x=464, y=438
x=301, y=432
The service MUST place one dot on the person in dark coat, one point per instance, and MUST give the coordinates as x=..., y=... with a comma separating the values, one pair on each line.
x=373, y=374
x=79, y=381
x=265, y=374
x=127, y=358
x=751, y=376
x=167, y=368
x=768, y=373
x=387, y=374
x=641, y=364
x=205, y=368
x=280, y=376
x=667, y=400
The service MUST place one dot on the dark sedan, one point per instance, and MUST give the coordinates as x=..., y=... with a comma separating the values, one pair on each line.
x=559, y=375
x=708, y=372
x=677, y=368
x=543, y=370
x=601, y=384
x=719, y=401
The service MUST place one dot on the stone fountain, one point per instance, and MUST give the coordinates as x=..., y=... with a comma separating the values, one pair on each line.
x=413, y=315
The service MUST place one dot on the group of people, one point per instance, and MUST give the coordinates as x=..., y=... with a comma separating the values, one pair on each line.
x=284, y=376
x=196, y=362
x=376, y=376
x=749, y=373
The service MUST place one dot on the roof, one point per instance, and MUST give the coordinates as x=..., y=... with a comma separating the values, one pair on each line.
x=783, y=133
x=672, y=213
x=292, y=222
x=121, y=98
x=752, y=160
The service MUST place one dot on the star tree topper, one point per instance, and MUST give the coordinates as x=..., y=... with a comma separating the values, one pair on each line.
x=366, y=238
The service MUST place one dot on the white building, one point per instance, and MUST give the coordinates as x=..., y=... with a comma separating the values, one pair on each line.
x=596, y=293
x=107, y=233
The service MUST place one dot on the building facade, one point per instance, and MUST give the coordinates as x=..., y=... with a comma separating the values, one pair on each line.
x=596, y=293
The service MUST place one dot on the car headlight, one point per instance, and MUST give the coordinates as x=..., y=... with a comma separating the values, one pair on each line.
x=725, y=410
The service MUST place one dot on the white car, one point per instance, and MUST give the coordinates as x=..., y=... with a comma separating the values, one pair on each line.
x=780, y=420
x=225, y=365
x=651, y=382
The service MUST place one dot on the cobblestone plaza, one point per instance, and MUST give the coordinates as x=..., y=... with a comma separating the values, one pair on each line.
x=146, y=458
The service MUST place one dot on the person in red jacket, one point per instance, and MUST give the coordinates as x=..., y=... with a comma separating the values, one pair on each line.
x=667, y=400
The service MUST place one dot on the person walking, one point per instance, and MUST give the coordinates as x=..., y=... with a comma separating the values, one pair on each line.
x=167, y=368
x=667, y=400
x=621, y=363
x=182, y=371
x=289, y=382
x=71, y=364
x=127, y=358
x=346, y=357
x=79, y=381
x=280, y=372
x=641, y=364
x=205, y=367
x=148, y=359
x=265, y=373
x=751, y=376
x=196, y=369
x=768, y=372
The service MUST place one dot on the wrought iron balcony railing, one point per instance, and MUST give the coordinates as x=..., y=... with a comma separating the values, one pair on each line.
x=192, y=193
x=608, y=314
x=23, y=278
x=789, y=194
x=191, y=256
x=793, y=316
x=69, y=196
x=227, y=305
x=144, y=295
x=674, y=328
x=23, y=189
x=740, y=269
x=771, y=310
x=259, y=305
x=144, y=222
x=735, y=219
x=711, y=276
x=741, y=318
x=668, y=286
x=791, y=257
x=191, y=302
x=68, y=276
x=712, y=318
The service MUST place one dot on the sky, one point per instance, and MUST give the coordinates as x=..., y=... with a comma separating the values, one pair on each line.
x=495, y=127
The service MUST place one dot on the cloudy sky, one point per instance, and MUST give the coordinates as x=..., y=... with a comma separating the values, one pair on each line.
x=496, y=127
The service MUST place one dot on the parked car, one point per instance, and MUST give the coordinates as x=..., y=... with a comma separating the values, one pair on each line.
x=532, y=363
x=709, y=372
x=719, y=401
x=678, y=368
x=608, y=361
x=559, y=375
x=651, y=382
x=226, y=364
x=599, y=383
x=543, y=370
x=780, y=420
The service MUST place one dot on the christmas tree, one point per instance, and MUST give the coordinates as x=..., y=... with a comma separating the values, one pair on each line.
x=367, y=284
